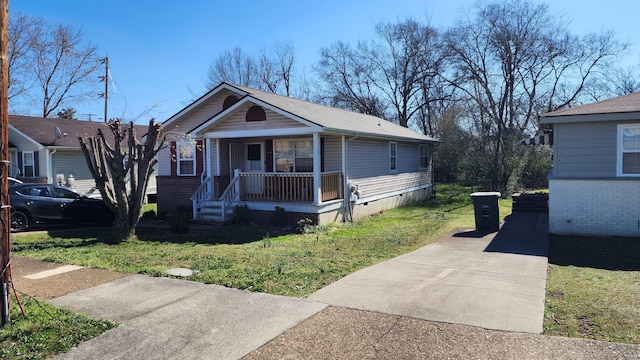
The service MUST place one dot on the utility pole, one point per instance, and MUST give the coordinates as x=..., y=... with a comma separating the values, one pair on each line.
x=5, y=208
x=105, y=78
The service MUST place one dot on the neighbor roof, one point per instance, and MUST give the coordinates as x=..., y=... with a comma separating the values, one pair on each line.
x=330, y=119
x=624, y=107
x=43, y=130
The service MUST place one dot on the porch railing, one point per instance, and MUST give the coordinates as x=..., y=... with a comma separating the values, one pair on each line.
x=288, y=187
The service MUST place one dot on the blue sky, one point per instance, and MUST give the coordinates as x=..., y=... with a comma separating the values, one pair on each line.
x=159, y=51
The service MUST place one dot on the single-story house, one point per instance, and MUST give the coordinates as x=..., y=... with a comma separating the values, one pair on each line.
x=47, y=150
x=594, y=186
x=237, y=146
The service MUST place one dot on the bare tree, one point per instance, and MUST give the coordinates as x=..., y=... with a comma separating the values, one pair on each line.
x=232, y=66
x=50, y=64
x=514, y=60
x=127, y=159
x=271, y=71
x=391, y=76
x=21, y=31
x=348, y=82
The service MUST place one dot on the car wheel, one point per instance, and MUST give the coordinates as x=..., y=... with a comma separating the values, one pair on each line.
x=19, y=221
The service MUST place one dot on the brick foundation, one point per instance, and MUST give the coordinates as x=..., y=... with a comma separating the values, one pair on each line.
x=607, y=207
x=174, y=192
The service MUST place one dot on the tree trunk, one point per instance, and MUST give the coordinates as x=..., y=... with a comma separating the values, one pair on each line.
x=123, y=230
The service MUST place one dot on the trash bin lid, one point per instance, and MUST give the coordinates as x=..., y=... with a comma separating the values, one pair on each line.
x=485, y=194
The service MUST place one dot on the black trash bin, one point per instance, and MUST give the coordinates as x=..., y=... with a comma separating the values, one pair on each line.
x=486, y=210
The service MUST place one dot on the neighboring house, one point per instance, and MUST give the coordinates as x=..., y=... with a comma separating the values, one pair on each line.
x=240, y=146
x=47, y=150
x=594, y=186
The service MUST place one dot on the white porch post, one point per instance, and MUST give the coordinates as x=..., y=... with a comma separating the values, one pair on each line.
x=317, y=178
x=208, y=170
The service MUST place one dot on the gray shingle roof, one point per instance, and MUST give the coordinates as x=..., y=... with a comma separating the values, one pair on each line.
x=332, y=119
x=621, y=104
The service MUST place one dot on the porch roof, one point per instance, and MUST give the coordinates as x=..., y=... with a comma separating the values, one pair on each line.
x=329, y=119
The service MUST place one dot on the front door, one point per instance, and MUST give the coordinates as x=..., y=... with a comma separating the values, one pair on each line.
x=254, y=163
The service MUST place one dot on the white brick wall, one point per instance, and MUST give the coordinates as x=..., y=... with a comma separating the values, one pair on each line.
x=594, y=207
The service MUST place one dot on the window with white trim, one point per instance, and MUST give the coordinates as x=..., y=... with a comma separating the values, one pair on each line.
x=186, y=158
x=28, y=164
x=628, y=150
x=393, y=157
x=424, y=156
x=293, y=155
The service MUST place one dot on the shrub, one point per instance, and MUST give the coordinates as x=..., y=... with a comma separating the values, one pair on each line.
x=180, y=220
x=242, y=214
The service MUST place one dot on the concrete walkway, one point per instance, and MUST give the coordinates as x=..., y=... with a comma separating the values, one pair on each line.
x=494, y=281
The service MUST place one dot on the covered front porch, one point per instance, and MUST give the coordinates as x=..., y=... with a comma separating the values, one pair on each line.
x=290, y=172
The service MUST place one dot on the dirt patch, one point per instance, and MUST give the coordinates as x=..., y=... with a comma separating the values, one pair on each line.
x=56, y=285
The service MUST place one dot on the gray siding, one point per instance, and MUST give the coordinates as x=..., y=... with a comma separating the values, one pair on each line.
x=368, y=166
x=585, y=149
x=333, y=153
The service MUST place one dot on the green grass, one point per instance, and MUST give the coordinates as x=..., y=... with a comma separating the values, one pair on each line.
x=46, y=331
x=258, y=259
x=593, y=289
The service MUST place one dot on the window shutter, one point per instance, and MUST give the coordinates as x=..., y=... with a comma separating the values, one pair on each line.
x=199, y=157
x=36, y=165
x=269, y=154
x=174, y=159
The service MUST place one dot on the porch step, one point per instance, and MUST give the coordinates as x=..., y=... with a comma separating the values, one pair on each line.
x=211, y=211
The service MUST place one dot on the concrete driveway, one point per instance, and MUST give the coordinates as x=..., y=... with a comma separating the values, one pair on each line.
x=494, y=281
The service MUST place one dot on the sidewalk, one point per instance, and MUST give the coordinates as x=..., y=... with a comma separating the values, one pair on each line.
x=405, y=308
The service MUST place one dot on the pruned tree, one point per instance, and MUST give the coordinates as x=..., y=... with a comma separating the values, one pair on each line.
x=120, y=158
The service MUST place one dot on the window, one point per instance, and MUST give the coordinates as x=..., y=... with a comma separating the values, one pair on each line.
x=256, y=113
x=28, y=164
x=186, y=158
x=228, y=101
x=628, y=150
x=425, y=159
x=293, y=155
x=393, y=157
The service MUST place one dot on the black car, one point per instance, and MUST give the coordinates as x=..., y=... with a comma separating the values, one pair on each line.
x=33, y=204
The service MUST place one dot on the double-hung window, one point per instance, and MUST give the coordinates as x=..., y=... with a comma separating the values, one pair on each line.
x=28, y=164
x=293, y=155
x=628, y=150
x=425, y=158
x=393, y=157
x=186, y=158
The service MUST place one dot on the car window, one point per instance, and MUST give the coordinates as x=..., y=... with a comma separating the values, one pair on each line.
x=65, y=193
x=35, y=191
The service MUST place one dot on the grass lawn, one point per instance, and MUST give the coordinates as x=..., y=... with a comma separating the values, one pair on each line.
x=46, y=331
x=259, y=258
x=593, y=289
